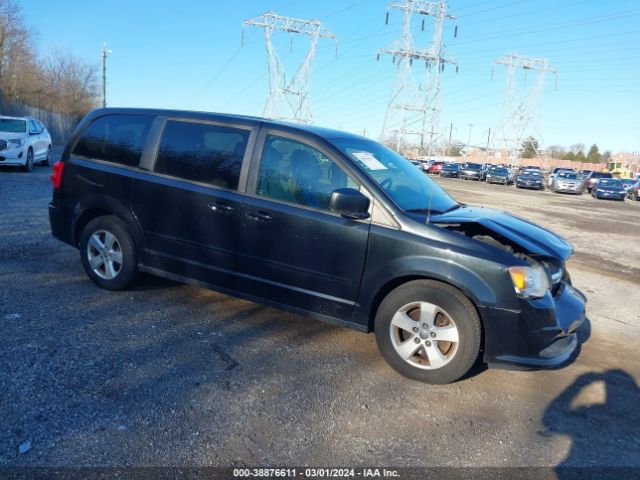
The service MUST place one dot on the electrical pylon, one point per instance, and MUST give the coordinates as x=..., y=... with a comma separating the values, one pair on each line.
x=520, y=107
x=289, y=99
x=408, y=95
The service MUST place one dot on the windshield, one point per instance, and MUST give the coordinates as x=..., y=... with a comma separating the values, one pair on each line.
x=451, y=166
x=12, y=125
x=609, y=182
x=532, y=173
x=500, y=171
x=411, y=189
x=472, y=166
x=570, y=176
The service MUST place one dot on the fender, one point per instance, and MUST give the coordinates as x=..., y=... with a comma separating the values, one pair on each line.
x=116, y=207
x=417, y=266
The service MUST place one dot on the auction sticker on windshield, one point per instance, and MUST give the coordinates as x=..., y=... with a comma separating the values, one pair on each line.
x=369, y=161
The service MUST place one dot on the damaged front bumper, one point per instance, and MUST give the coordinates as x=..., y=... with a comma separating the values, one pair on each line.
x=542, y=334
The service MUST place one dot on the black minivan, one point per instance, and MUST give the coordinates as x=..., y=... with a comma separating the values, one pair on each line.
x=323, y=223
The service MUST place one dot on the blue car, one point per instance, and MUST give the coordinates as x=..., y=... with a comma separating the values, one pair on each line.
x=609, y=188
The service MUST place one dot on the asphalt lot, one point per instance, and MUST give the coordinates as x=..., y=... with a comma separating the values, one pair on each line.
x=169, y=374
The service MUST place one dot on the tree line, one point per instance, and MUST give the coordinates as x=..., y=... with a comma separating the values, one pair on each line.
x=58, y=81
x=575, y=152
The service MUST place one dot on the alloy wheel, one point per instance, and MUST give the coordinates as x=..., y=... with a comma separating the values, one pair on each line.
x=424, y=335
x=104, y=254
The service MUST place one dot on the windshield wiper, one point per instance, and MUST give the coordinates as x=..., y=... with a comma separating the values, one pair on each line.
x=422, y=210
x=455, y=207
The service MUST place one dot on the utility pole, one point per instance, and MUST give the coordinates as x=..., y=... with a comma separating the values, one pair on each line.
x=488, y=140
x=408, y=95
x=289, y=99
x=520, y=108
x=105, y=52
x=450, y=132
x=471, y=125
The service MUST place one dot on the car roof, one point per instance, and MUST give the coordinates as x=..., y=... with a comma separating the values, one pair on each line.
x=228, y=117
x=16, y=118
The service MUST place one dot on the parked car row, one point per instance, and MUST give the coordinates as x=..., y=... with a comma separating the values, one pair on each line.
x=600, y=185
x=24, y=141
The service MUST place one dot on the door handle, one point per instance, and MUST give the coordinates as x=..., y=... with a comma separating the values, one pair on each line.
x=217, y=207
x=259, y=216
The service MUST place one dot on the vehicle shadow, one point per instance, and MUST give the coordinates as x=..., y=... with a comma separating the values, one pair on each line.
x=583, y=412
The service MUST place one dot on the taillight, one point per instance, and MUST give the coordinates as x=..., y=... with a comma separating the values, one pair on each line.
x=56, y=176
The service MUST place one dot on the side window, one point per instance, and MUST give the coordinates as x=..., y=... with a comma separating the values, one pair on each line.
x=115, y=138
x=294, y=172
x=33, y=128
x=202, y=153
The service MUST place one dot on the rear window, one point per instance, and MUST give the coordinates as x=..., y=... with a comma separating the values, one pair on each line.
x=115, y=138
x=202, y=152
x=12, y=125
x=600, y=175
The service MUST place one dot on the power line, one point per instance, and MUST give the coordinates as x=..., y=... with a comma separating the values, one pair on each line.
x=338, y=12
x=531, y=12
x=492, y=8
x=216, y=75
x=616, y=16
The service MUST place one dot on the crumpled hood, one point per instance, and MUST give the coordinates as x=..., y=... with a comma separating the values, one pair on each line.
x=531, y=237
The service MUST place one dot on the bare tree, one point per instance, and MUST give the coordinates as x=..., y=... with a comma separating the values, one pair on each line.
x=58, y=82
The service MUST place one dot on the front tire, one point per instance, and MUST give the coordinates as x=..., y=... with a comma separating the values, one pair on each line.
x=108, y=253
x=428, y=331
x=28, y=166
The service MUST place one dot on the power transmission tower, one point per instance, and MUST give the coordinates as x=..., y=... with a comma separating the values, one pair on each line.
x=408, y=95
x=289, y=99
x=520, y=107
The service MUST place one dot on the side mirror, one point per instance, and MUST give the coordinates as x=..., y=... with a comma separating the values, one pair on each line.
x=349, y=203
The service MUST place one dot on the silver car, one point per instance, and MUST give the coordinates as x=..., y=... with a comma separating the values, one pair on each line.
x=568, y=182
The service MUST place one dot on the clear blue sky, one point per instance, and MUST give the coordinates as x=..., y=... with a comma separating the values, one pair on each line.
x=172, y=54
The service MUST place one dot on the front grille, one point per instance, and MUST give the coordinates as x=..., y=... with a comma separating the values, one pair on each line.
x=3, y=144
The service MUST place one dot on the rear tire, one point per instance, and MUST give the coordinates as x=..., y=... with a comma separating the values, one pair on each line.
x=413, y=317
x=47, y=161
x=108, y=253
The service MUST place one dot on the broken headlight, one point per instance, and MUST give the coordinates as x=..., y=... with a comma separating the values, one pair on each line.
x=529, y=282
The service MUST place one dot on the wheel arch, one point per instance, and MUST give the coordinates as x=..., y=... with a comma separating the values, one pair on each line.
x=101, y=205
x=394, y=283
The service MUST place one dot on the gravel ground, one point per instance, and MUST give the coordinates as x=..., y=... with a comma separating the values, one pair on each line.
x=168, y=374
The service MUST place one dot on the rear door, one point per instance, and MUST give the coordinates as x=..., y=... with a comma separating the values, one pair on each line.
x=292, y=249
x=188, y=202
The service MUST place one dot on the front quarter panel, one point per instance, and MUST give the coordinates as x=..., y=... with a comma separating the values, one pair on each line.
x=398, y=254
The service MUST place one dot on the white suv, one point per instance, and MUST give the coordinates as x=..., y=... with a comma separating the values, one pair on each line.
x=23, y=142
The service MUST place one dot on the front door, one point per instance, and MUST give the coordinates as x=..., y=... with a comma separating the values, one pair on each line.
x=189, y=206
x=293, y=250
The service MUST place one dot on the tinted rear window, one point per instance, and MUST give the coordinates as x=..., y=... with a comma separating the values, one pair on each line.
x=201, y=152
x=115, y=138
